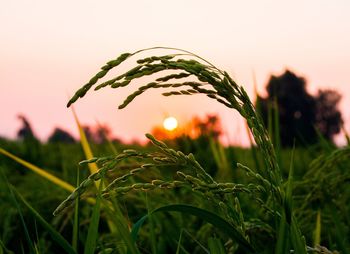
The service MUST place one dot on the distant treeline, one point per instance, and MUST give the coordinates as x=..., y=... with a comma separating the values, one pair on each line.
x=289, y=111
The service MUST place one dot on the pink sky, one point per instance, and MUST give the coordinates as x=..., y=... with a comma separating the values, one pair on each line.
x=51, y=48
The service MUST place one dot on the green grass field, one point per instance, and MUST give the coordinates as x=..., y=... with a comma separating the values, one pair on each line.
x=175, y=197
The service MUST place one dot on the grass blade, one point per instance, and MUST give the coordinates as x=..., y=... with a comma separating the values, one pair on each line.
x=282, y=244
x=216, y=246
x=340, y=234
x=75, y=237
x=92, y=236
x=57, y=181
x=179, y=243
x=86, y=147
x=221, y=160
x=288, y=202
x=207, y=216
x=121, y=226
x=136, y=227
x=317, y=235
x=26, y=233
x=288, y=220
x=89, y=155
x=57, y=237
x=297, y=238
x=3, y=249
x=43, y=173
x=152, y=233
x=276, y=130
x=203, y=249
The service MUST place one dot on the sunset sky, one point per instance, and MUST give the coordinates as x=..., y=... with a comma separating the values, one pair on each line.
x=49, y=49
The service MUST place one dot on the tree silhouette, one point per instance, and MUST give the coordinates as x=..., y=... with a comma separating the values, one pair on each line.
x=98, y=134
x=208, y=127
x=60, y=136
x=25, y=132
x=328, y=117
x=102, y=133
x=198, y=138
x=31, y=144
x=301, y=116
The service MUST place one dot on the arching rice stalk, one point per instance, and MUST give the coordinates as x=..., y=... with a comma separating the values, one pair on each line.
x=267, y=189
x=199, y=180
x=223, y=89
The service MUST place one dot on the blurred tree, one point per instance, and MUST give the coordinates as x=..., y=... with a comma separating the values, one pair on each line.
x=300, y=115
x=328, y=116
x=98, y=134
x=196, y=128
x=61, y=136
x=31, y=143
x=102, y=133
x=208, y=127
x=89, y=133
x=197, y=139
x=25, y=132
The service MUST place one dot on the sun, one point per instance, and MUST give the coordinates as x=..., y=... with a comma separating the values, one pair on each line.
x=170, y=123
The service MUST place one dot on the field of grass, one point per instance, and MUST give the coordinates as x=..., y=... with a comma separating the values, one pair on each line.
x=181, y=196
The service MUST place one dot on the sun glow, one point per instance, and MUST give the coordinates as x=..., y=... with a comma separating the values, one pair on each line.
x=170, y=123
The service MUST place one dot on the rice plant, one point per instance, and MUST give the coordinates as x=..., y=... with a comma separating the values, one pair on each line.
x=272, y=195
x=157, y=199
